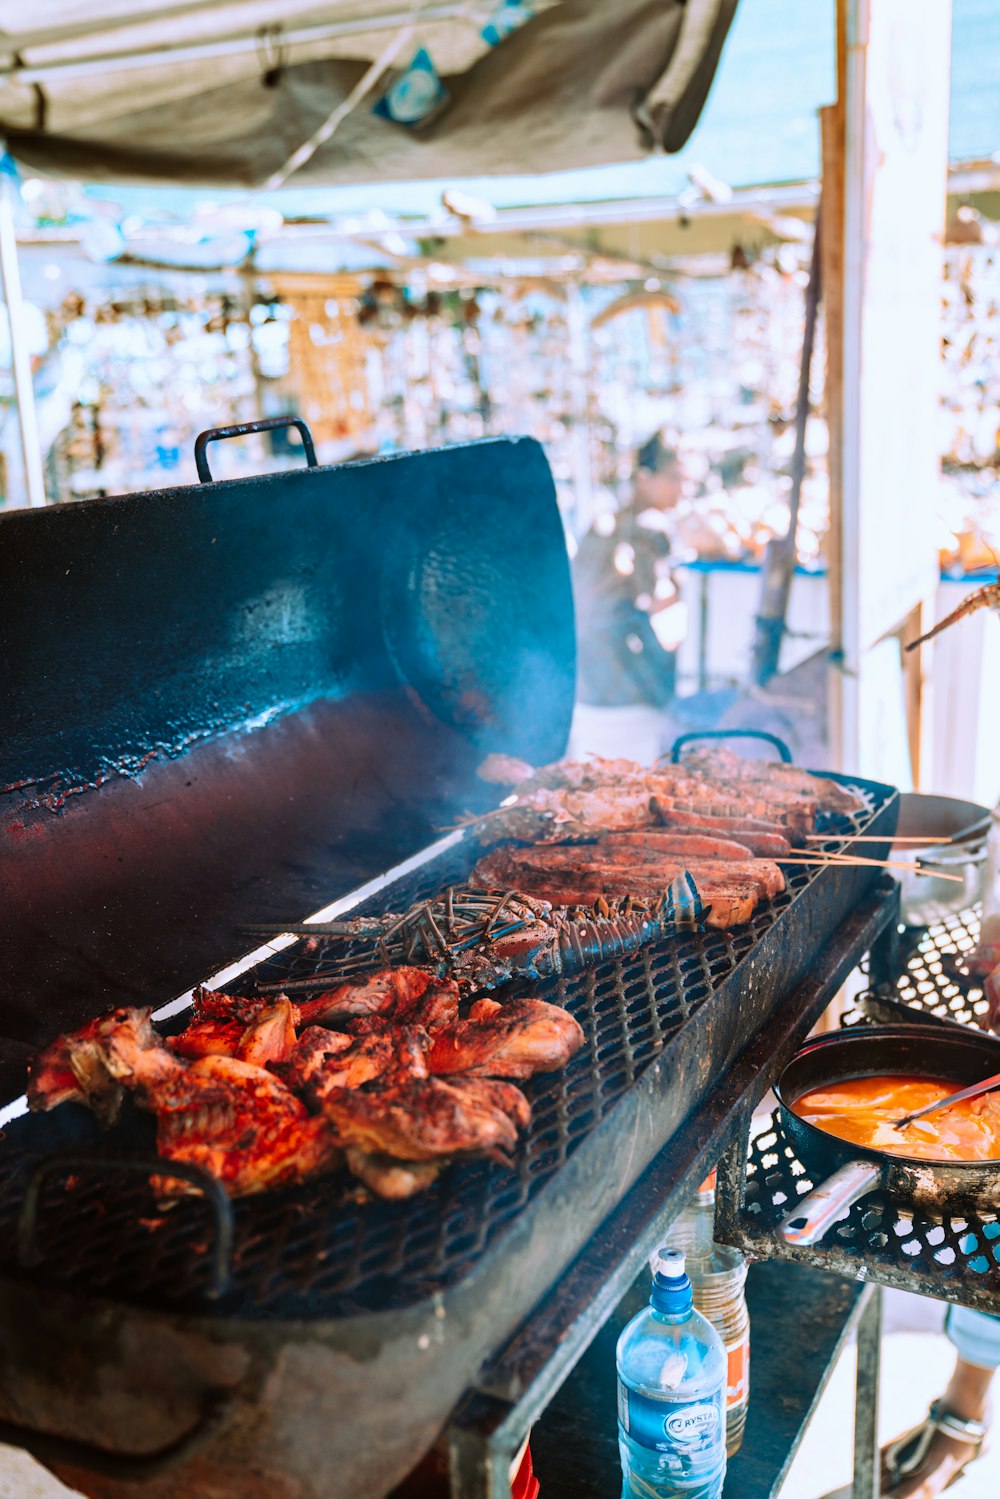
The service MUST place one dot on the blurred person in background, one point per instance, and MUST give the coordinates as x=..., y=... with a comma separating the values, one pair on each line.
x=626, y=677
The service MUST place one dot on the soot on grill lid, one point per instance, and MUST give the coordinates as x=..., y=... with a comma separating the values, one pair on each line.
x=231, y=700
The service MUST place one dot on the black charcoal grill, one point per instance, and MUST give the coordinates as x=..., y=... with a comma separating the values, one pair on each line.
x=237, y=702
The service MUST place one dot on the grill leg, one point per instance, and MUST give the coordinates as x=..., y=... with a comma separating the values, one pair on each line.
x=480, y=1451
x=884, y=962
x=730, y=1179
x=866, y=1452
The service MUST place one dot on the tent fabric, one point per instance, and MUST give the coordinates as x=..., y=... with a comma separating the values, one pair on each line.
x=582, y=82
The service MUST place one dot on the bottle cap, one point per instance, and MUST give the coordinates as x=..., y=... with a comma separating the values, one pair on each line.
x=669, y=1263
x=671, y=1291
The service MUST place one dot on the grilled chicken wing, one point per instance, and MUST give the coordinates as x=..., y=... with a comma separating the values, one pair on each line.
x=428, y=1117
x=517, y=1039
x=75, y=1068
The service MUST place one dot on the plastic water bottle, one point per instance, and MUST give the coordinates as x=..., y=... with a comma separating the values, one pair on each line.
x=671, y=1394
x=718, y=1282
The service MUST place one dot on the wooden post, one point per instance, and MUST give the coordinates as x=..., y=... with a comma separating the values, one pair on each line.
x=888, y=139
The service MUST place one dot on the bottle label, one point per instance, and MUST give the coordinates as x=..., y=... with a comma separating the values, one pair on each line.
x=738, y=1376
x=689, y=1433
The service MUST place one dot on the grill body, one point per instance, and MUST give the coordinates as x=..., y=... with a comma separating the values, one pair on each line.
x=234, y=703
x=359, y=1325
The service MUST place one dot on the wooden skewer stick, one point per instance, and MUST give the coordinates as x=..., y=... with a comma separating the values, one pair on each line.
x=869, y=838
x=846, y=861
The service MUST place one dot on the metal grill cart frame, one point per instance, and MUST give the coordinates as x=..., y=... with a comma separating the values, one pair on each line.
x=805, y=1304
x=559, y=1369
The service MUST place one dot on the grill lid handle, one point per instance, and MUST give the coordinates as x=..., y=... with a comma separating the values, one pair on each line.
x=245, y=429
x=779, y=744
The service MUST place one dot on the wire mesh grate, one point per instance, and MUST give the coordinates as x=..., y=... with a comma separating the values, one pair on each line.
x=326, y=1248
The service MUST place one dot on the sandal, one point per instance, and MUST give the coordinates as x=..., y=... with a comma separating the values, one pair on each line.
x=907, y=1454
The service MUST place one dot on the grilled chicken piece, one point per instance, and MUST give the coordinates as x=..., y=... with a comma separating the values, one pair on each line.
x=390, y=1178
x=409, y=996
x=428, y=1117
x=516, y=1039
x=270, y=1037
x=324, y=1060
x=75, y=1068
x=207, y=1038
x=238, y=1122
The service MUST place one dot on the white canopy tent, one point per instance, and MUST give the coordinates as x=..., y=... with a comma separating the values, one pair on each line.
x=247, y=93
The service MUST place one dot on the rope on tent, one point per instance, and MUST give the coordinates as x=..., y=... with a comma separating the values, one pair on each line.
x=364, y=85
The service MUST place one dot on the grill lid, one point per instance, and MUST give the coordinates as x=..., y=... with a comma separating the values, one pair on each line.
x=231, y=700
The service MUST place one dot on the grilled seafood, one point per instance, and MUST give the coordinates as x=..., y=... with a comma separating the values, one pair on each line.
x=509, y=936
x=773, y=778
x=987, y=597
x=578, y=873
x=768, y=841
x=517, y=1039
x=572, y=799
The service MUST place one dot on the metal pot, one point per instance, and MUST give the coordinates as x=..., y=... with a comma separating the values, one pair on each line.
x=939, y=1187
x=923, y=898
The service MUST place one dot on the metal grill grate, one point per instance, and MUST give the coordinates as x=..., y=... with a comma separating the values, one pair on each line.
x=325, y=1248
x=956, y=1259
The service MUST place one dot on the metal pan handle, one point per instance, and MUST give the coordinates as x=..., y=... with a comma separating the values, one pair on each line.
x=812, y=1215
x=779, y=744
x=131, y=1467
x=244, y=429
x=215, y=1194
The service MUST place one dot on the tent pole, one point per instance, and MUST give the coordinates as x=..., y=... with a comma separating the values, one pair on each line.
x=24, y=388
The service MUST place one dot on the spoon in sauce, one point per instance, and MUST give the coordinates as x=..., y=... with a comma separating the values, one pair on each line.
x=986, y=1086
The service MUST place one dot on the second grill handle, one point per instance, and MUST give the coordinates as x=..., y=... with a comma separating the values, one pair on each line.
x=779, y=744
x=214, y=1194
x=246, y=429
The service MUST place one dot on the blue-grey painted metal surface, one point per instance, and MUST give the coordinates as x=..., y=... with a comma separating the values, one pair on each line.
x=229, y=701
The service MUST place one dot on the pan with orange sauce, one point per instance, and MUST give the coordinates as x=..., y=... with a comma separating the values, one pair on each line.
x=861, y=1110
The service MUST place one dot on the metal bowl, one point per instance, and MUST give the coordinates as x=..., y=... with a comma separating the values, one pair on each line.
x=924, y=898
